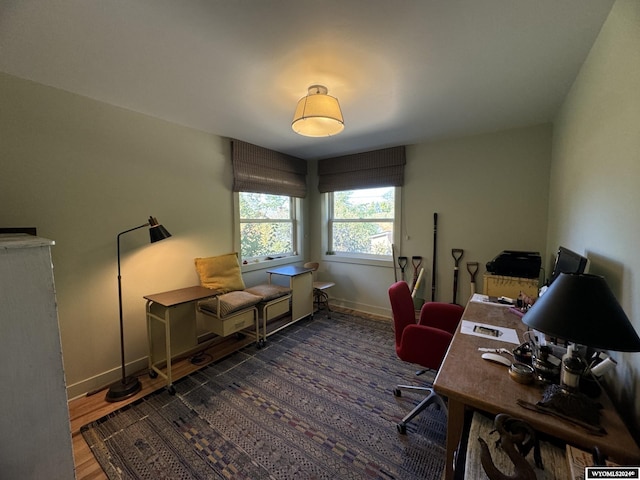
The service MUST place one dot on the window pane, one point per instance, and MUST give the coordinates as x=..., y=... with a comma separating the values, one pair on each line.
x=266, y=225
x=266, y=239
x=374, y=238
x=367, y=203
x=362, y=221
x=259, y=206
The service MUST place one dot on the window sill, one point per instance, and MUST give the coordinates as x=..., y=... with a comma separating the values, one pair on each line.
x=264, y=264
x=377, y=261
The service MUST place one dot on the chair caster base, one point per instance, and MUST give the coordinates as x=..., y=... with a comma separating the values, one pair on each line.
x=397, y=392
x=402, y=428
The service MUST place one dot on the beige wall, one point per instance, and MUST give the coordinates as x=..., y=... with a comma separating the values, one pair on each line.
x=595, y=175
x=490, y=193
x=81, y=172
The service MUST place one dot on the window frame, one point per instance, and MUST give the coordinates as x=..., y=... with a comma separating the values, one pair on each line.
x=254, y=263
x=358, y=258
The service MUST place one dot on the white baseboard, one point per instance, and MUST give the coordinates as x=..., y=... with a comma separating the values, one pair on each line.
x=101, y=382
x=361, y=307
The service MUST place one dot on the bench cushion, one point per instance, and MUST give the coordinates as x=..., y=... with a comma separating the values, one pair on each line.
x=268, y=291
x=230, y=303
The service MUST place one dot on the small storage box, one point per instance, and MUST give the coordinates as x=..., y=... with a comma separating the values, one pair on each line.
x=229, y=313
x=500, y=285
x=231, y=324
x=275, y=308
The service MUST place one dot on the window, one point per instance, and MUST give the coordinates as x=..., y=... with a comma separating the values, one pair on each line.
x=267, y=225
x=361, y=222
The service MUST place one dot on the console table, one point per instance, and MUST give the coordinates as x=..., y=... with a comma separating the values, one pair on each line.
x=472, y=383
x=167, y=308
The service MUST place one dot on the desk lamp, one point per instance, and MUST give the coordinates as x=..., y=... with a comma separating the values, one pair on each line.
x=581, y=309
x=129, y=386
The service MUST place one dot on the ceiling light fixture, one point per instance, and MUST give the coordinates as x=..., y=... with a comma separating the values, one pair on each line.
x=318, y=114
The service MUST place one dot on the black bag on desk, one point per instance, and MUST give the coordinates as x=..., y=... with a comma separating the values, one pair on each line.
x=512, y=263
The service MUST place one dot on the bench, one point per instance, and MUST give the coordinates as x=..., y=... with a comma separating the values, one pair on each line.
x=237, y=308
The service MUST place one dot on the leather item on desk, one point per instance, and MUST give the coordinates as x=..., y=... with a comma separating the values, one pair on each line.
x=594, y=430
x=572, y=404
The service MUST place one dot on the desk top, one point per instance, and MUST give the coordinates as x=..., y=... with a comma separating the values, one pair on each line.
x=465, y=377
x=289, y=270
x=181, y=295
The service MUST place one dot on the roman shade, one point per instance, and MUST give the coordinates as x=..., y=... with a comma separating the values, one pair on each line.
x=378, y=168
x=260, y=170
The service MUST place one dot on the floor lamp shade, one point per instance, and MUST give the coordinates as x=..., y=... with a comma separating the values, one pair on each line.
x=156, y=231
x=128, y=386
x=582, y=309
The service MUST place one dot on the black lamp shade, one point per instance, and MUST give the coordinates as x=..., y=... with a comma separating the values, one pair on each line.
x=581, y=308
x=156, y=231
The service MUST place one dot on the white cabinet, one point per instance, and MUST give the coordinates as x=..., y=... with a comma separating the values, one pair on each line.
x=301, y=285
x=34, y=425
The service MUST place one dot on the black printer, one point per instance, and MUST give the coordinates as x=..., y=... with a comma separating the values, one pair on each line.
x=513, y=263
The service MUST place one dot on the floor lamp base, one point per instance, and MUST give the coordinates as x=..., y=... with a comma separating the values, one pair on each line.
x=123, y=389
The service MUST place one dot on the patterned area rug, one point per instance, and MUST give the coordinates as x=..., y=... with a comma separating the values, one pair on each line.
x=315, y=403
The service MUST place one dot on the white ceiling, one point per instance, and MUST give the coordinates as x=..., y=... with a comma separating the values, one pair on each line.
x=404, y=71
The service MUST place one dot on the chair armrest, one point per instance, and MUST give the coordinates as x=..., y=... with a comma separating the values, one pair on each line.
x=424, y=345
x=443, y=316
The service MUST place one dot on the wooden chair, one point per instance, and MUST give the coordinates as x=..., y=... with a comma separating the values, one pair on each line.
x=320, y=296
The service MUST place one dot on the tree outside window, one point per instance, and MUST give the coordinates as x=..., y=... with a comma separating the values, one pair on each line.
x=266, y=225
x=361, y=221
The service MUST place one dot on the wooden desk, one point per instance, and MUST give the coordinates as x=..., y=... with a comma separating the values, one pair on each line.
x=160, y=307
x=470, y=382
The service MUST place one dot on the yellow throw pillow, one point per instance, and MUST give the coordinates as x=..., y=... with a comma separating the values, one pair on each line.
x=220, y=273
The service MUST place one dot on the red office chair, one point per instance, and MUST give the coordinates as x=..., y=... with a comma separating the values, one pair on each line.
x=425, y=342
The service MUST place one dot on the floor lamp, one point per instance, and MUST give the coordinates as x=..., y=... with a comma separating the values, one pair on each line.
x=129, y=386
